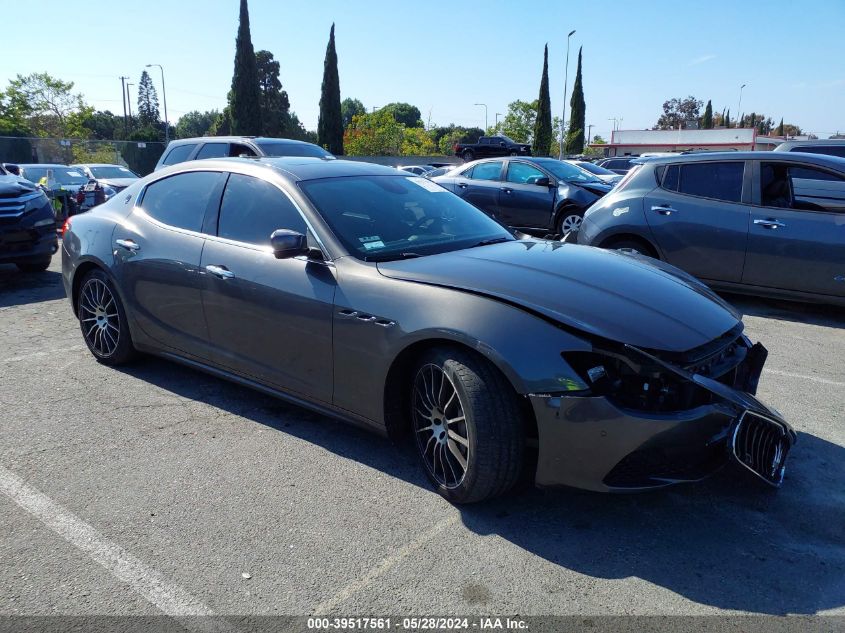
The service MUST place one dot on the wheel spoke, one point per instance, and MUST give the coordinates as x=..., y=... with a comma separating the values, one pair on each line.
x=458, y=438
x=453, y=448
x=427, y=428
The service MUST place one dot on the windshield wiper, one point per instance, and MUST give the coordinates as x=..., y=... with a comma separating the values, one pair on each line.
x=493, y=240
x=391, y=257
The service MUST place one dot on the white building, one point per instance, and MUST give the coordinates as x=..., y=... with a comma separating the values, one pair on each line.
x=632, y=142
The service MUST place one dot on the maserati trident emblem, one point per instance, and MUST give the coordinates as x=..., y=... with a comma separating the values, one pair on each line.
x=777, y=458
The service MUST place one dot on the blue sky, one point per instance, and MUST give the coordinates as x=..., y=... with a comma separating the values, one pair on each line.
x=445, y=56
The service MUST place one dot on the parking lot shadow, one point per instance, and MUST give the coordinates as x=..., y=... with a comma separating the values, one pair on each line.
x=812, y=313
x=19, y=288
x=730, y=542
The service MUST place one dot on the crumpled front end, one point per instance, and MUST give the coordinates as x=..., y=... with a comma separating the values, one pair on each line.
x=649, y=419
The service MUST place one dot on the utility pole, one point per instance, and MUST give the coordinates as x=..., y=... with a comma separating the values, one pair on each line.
x=565, y=85
x=485, y=115
x=163, y=94
x=123, y=100
x=129, y=101
x=498, y=114
x=590, y=133
x=738, y=111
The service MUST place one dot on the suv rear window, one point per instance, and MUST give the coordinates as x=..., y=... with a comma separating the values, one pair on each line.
x=720, y=181
x=179, y=154
x=830, y=150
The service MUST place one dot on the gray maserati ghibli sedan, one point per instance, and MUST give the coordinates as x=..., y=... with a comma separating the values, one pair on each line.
x=380, y=298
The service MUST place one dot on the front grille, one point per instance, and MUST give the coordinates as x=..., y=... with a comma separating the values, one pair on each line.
x=761, y=445
x=659, y=465
x=14, y=204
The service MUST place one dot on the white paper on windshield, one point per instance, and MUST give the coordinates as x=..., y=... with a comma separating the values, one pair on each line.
x=75, y=174
x=428, y=185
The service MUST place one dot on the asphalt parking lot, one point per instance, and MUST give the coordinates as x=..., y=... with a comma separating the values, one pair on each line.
x=155, y=487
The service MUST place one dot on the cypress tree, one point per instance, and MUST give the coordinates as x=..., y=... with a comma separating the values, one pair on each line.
x=577, y=114
x=727, y=121
x=244, y=98
x=780, y=128
x=707, y=120
x=330, y=124
x=543, y=123
x=148, y=114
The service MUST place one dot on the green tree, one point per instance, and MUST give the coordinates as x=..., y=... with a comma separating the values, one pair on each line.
x=47, y=106
x=780, y=128
x=103, y=125
x=330, y=123
x=519, y=121
x=707, y=119
x=543, y=120
x=244, y=97
x=677, y=111
x=727, y=119
x=275, y=105
x=348, y=109
x=405, y=113
x=375, y=134
x=416, y=142
x=577, y=114
x=222, y=125
x=195, y=123
x=148, y=113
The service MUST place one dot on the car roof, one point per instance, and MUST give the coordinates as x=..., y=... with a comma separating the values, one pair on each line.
x=812, y=143
x=98, y=165
x=237, y=139
x=41, y=165
x=302, y=168
x=814, y=159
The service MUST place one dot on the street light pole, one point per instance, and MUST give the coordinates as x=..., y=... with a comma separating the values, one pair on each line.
x=739, y=106
x=164, y=95
x=565, y=85
x=498, y=114
x=129, y=103
x=590, y=133
x=123, y=99
x=485, y=115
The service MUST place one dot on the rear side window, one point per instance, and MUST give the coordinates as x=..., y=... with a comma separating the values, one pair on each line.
x=830, y=150
x=181, y=200
x=213, y=150
x=720, y=181
x=487, y=171
x=179, y=154
x=253, y=208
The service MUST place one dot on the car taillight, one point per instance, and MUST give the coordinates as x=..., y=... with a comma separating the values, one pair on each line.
x=65, y=227
x=455, y=147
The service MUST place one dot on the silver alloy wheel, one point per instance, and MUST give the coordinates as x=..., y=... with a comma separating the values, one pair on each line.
x=629, y=250
x=440, y=426
x=571, y=224
x=99, y=318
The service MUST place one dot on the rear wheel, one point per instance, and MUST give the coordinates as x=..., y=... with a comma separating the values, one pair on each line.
x=102, y=319
x=512, y=153
x=467, y=424
x=468, y=155
x=35, y=266
x=633, y=246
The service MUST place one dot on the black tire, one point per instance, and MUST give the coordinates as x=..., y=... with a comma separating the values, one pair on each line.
x=565, y=220
x=468, y=155
x=632, y=245
x=489, y=420
x=513, y=154
x=36, y=266
x=112, y=344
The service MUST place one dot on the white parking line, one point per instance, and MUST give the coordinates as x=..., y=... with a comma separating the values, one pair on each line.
x=383, y=567
x=170, y=599
x=789, y=374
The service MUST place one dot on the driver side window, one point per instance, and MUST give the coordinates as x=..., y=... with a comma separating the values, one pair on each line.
x=253, y=208
x=523, y=173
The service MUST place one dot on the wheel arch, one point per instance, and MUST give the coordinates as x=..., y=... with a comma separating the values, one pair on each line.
x=82, y=269
x=609, y=240
x=397, y=382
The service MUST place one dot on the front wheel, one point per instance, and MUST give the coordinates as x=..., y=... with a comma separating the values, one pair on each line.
x=468, y=155
x=102, y=319
x=467, y=424
x=513, y=153
x=569, y=221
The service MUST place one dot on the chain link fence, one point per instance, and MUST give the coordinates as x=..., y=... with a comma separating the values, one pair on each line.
x=139, y=156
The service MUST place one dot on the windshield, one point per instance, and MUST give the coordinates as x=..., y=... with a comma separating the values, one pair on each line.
x=277, y=148
x=567, y=171
x=508, y=139
x=595, y=169
x=61, y=174
x=378, y=218
x=112, y=171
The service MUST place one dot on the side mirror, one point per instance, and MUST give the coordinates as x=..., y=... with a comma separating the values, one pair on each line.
x=287, y=244
x=543, y=182
x=12, y=168
x=502, y=143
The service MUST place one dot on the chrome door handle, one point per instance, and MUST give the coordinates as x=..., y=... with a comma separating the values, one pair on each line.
x=463, y=185
x=770, y=224
x=507, y=190
x=663, y=210
x=220, y=271
x=129, y=245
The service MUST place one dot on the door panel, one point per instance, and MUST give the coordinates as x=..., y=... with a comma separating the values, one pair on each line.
x=271, y=319
x=704, y=236
x=481, y=189
x=523, y=204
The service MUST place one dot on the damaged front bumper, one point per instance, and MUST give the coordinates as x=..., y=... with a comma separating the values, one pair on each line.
x=589, y=441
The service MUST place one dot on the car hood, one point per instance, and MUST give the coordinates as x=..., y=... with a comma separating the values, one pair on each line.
x=15, y=185
x=120, y=183
x=608, y=294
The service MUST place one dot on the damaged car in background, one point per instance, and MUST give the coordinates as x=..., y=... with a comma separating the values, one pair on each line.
x=381, y=298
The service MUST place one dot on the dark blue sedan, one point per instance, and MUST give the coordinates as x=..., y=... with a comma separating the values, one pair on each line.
x=535, y=195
